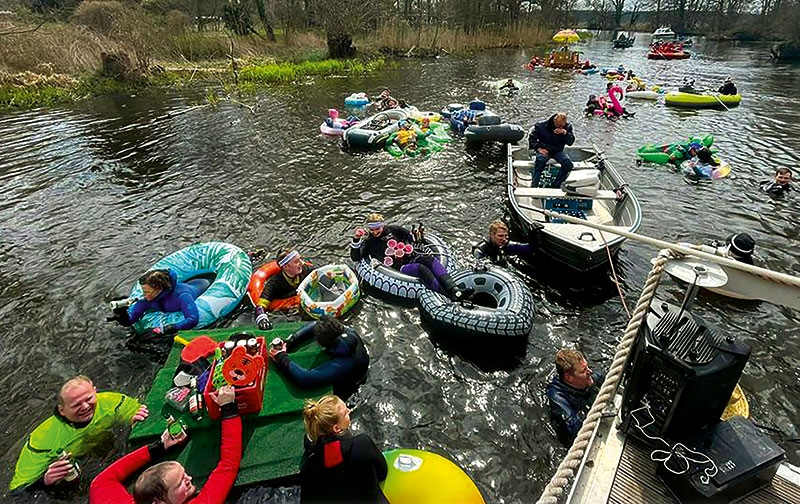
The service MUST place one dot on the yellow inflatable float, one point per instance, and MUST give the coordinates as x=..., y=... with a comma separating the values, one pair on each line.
x=711, y=100
x=420, y=477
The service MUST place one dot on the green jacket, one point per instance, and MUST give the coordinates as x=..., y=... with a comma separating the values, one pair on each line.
x=54, y=433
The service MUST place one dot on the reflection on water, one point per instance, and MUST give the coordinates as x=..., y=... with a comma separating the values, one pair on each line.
x=92, y=195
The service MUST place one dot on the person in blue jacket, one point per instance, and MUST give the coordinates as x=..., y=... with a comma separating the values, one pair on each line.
x=345, y=370
x=163, y=292
x=571, y=393
x=547, y=139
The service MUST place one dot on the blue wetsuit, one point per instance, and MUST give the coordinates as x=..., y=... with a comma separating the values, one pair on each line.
x=348, y=365
x=180, y=297
x=568, y=405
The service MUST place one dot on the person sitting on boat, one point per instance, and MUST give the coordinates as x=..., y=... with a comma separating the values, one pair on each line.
x=497, y=247
x=571, y=393
x=728, y=87
x=510, y=85
x=338, y=466
x=163, y=292
x=688, y=86
x=283, y=286
x=739, y=246
x=82, y=418
x=462, y=119
x=347, y=367
x=548, y=139
x=167, y=482
x=781, y=184
x=372, y=244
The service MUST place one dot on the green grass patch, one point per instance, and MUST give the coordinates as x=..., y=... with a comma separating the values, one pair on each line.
x=290, y=72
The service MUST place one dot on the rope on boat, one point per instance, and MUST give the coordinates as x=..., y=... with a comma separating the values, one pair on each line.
x=566, y=470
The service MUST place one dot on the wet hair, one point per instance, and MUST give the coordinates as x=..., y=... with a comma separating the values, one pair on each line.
x=158, y=279
x=150, y=486
x=69, y=383
x=328, y=330
x=783, y=171
x=320, y=416
x=567, y=360
x=496, y=226
x=375, y=217
x=704, y=155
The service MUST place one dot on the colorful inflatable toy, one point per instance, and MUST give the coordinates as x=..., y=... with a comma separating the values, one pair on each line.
x=661, y=153
x=231, y=268
x=696, y=170
x=256, y=287
x=357, y=100
x=711, y=100
x=329, y=291
x=420, y=477
x=334, y=126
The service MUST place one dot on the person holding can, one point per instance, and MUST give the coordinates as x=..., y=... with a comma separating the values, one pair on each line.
x=167, y=482
x=82, y=417
x=281, y=286
x=348, y=364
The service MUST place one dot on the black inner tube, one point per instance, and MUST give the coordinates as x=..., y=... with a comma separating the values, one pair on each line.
x=484, y=299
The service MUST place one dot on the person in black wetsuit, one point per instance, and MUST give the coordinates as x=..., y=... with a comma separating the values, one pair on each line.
x=780, y=186
x=497, y=247
x=293, y=271
x=728, y=87
x=337, y=466
x=373, y=244
x=349, y=358
x=571, y=393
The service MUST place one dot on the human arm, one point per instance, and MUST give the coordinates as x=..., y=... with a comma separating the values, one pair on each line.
x=324, y=374
x=357, y=244
x=366, y=448
x=570, y=139
x=518, y=249
x=190, y=314
x=127, y=408
x=221, y=480
x=305, y=333
x=136, y=311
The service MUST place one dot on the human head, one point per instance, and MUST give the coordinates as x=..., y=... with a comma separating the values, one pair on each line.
x=741, y=245
x=164, y=483
x=77, y=399
x=385, y=93
x=290, y=262
x=376, y=223
x=154, y=283
x=783, y=176
x=694, y=147
x=498, y=233
x=573, y=369
x=608, y=85
x=392, y=103
x=327, y=331
x=328, y=415
x=561, y=120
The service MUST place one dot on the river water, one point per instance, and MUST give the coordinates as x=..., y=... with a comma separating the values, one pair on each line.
x=92, y=194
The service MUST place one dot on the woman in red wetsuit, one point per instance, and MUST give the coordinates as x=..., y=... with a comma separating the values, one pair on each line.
x=167, y=482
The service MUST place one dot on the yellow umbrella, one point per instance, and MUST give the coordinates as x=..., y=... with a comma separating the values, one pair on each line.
x=566, y=36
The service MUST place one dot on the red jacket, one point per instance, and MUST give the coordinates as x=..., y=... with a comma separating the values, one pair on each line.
x=108, y=487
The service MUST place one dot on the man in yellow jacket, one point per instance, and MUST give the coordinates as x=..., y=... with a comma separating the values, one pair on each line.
x=81, y=417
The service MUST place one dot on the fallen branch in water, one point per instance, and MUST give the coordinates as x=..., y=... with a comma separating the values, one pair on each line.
x=17, y=32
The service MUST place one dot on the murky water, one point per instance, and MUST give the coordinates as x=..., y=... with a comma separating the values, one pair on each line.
x=91, y=195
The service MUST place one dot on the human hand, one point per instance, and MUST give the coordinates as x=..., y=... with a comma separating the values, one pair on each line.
x=360, y=232
x=158, y=330
x=169, y=441
x=275, y=351
x=226, y=395
x=543, y=152
x=57, y=471
x=560, y=131
x=140, y=415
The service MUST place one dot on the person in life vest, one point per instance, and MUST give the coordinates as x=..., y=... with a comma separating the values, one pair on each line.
x=167, y=482
x=337, y=466
x=82, y=417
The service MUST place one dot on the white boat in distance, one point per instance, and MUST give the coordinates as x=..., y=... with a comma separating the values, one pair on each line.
x=663, y=33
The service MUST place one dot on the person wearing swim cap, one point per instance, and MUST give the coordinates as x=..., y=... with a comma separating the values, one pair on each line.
x=283, y=286
x=373, y=244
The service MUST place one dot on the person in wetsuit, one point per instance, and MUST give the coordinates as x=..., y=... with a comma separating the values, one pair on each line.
x=496, y=248
x=728, y=87
x=167, y=482
x=510, y=85
x=81, y=417
x=345, y=370
x=373, y=244
x=337, y=466
x=281, y=286
x=163, y=292
x=571, y=393
x=781, y=185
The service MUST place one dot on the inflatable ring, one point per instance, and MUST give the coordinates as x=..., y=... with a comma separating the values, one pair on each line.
x=312, y=291
x=694, y=169
x=228, y=262
x=502, y=306
x=395, y=285
x=356, y=100
x=434, y=117
x=259, y=280
x=420, y=477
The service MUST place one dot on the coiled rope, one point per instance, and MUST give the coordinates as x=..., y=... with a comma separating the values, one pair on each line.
x=566, y=470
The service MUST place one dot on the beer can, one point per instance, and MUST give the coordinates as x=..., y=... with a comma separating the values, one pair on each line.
x=277, y=343
x=252, y=346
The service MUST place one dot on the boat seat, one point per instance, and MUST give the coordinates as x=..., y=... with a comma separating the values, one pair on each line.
x=576, y=165
x=544, y=192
